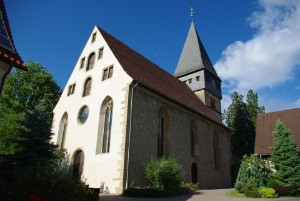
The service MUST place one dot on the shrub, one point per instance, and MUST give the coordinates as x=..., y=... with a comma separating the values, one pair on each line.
x=267, y=192
x=252, y=194
x=271, y=183
x=165, y=173
x=253, y=170
x=251, y=185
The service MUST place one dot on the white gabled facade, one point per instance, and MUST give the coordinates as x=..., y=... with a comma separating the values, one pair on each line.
x=98, y=168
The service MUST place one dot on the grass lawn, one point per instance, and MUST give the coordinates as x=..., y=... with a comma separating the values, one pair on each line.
x=235, y=193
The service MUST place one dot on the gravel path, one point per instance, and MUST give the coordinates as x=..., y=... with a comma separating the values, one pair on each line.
x=201, y=195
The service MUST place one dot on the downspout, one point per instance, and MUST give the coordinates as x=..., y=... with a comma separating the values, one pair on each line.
x=129, y=135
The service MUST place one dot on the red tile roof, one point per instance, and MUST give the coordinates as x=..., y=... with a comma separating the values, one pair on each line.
x=266, y=124
x=156, y=79
x=10, y=57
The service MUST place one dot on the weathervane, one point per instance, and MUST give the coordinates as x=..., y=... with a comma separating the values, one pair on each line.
x=192, y=13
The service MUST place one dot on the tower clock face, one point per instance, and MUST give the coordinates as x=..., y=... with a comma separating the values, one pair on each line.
x=83, y=114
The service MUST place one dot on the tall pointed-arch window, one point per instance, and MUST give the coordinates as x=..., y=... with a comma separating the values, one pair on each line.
x=62, y=131
x=91, y=61
x=195, y=149
x=161, y=135
x=108, y=112
x=87, y=87
x=216, y=150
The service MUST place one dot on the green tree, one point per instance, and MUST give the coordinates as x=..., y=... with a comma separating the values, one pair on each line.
x=253, y=173
x=23, y=91
x=237, y=118
x=252, y=106
x=240, y=117
x=285, y=157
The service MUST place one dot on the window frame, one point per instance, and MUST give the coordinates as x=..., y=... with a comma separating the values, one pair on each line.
x=87, y=89
x=94, y=37
x=100, y=52
x=89, y=66
x=107, y=72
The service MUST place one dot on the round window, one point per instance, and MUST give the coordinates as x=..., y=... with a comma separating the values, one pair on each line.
x=83, y=114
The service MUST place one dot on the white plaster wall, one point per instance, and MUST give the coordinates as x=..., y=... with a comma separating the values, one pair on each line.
x=97, y=167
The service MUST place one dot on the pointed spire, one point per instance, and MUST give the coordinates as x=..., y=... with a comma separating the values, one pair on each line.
x=193, y=56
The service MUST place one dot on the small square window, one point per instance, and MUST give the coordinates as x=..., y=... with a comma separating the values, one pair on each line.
x=107, y=73
x=197, y=78
x=100, y=53
x=94, y=37
x=82, y=62
x=190, y=80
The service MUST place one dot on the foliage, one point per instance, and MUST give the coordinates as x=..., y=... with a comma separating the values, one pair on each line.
x=24, y=91
x=285, y=157
x=165, y=173
x=253, y=173
x=252, y=106
x=49, y=183
x=238, y=119
x=252, y=194
x=33, y=148
x=267, y=192
x=250, y=185
x=271, y=183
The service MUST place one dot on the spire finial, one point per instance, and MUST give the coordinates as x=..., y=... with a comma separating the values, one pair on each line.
x=192, y=13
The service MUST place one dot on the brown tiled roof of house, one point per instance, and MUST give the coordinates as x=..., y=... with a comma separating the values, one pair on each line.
x=266, y=124
x=156, y=79
x=8, y=53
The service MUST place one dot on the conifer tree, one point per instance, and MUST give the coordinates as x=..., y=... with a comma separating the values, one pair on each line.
x=285, y=157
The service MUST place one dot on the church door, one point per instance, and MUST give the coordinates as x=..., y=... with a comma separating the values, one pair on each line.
x=194, y=173
x=78, y=164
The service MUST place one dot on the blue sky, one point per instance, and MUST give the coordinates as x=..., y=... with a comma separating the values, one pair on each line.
x=254, y=44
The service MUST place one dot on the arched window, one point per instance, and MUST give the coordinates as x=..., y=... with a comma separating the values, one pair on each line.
x=78, y=164
x=195, y=149
x=216, y=150
x=62, y=130
x=194, y=171
x=104, y=133
x=87, y=87
x=91, y=62
x=162, y=135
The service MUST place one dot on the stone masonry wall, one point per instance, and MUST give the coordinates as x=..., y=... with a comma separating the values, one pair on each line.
x=144, y=141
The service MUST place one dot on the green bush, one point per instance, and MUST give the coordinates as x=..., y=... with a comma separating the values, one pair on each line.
x=272, y=182
x=252, y=194
x=251, y=185
x=165, y=173
x=267, y=192
x=253, y=170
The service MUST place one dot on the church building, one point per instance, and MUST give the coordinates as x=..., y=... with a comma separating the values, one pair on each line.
x=119, y=110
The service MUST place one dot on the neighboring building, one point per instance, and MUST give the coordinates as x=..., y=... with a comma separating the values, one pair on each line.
x=119, y=110
x=266, y=124
x=9, y=56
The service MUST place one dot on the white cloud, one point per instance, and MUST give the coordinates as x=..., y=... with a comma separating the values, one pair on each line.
x=271, y=56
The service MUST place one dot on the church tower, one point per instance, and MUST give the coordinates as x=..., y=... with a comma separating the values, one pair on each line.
x=196, y=70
